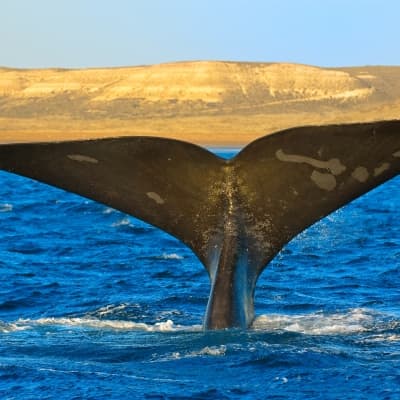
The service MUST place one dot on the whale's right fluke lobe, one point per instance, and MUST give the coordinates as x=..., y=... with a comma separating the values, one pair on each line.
x=293, y=178
x=278, y=186
x=235, y=214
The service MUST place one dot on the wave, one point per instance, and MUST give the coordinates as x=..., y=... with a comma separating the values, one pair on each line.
x=111, y=309
x=354, y=321
x=94, y=323
x=163, y=256
x=108, y=210
x=385, y=337
x=207, y=351
x=6, y=207
x=378, y=326
x=169, y=256
x=11, y=327
x=127, y=223
x=122, y=222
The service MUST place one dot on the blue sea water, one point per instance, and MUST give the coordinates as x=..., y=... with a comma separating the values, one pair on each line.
x=95, y=304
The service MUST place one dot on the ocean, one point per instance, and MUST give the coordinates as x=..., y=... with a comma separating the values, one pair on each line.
x=95, y=304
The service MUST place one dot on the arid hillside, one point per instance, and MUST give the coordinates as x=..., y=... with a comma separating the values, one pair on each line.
x=211, y=103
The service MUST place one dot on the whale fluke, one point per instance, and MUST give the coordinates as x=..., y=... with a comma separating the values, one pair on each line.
x=236, y=214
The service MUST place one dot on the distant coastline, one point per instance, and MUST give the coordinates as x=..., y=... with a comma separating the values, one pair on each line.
x=214, y=104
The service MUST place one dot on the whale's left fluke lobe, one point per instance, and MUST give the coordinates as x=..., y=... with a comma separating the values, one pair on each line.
x=166, y=183
x=234, y=214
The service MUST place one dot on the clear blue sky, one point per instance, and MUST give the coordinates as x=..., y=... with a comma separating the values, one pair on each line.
x=88, y=33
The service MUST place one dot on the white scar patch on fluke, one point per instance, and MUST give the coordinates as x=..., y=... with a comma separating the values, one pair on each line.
x=360, y=174
x=397, y=154
x=333, y=165
x=156, y=197
x=82, y=158
x=323, y=181
x=382, y=168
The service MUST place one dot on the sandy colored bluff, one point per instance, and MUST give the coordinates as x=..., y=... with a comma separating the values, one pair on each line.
x=210, y=103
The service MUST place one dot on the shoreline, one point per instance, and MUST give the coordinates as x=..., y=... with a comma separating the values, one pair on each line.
x=196, y=102
x=233, y=131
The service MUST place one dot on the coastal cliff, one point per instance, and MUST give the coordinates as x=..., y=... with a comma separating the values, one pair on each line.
x=206, y=102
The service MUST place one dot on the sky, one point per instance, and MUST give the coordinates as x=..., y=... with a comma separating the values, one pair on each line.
x=100, y=33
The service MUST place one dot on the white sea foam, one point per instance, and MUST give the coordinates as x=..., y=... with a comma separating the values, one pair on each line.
x=171, y=256
x=208, y=351
x=6, y=207
x=356, y=320
x=108, y=210
x=212, y=351
x=107, y=324
x=11, y=327
x=101, y=324
x=110, y=309
x=384, y=337
x=122, y=222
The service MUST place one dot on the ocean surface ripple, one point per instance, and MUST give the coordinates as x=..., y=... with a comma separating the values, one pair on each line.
x=95, y=304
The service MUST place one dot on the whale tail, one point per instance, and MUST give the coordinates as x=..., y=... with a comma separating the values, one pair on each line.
x=234, y=214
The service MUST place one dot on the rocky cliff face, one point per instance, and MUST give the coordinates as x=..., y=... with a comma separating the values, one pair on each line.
x=209, y=98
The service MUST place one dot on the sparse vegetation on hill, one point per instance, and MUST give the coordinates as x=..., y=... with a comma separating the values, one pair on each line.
x=203, y=102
